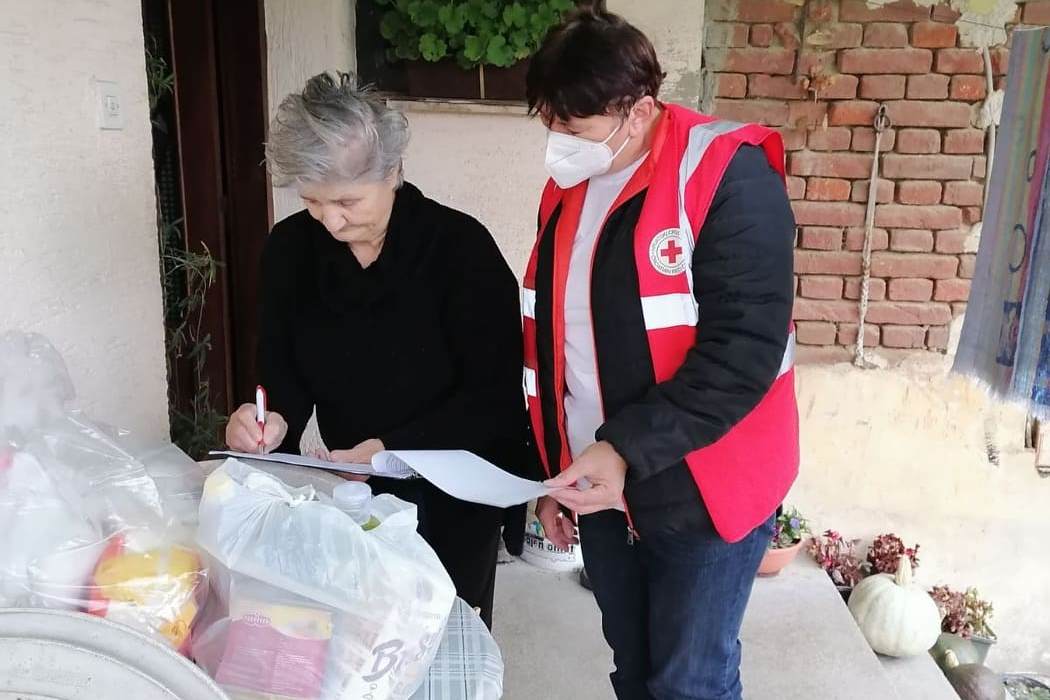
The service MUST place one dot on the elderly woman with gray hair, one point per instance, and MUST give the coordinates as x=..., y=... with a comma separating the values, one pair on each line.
x=394, y=316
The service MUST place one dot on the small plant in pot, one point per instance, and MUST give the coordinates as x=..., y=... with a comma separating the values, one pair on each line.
x=965, y=628
x=885, y=553
x=838, y=557
x=788, y=531
x=467, y=48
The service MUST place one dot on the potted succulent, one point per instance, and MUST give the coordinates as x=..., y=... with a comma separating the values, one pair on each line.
x=788, y=530
x=965, y=629
x=838, y=557
x=470, y=49
x=885, y=552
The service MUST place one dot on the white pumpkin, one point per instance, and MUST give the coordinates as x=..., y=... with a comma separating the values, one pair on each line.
x=897, y=617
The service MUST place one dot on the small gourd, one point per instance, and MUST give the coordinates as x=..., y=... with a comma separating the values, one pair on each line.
x=973, y=681
x=897, y=617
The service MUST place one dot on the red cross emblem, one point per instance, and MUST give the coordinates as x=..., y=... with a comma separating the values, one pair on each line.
x=671, y=251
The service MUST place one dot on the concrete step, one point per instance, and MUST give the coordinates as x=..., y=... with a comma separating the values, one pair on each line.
x=800, y=642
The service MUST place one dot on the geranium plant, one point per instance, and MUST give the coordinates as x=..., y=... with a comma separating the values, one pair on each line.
x=838, y=557
x=789, y=529
x=885, y=554
x=473, y=32
x=963, y=613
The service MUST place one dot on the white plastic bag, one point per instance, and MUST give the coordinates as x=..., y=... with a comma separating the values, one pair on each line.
x=385, y=592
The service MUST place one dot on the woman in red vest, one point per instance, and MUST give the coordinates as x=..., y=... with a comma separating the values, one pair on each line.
x=659, y=354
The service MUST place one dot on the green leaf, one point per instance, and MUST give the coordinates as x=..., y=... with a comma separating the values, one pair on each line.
x=521, y=43
x=499, y=53
x=473, y=48
x=491, y=9
x=515, y=15
x=424, y=13
x=561, y=6
x=452, y=18
x=432, y=48
x=407, y=52
x=392, y=25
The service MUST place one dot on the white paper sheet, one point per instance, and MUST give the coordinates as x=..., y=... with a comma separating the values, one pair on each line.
x=397, y=470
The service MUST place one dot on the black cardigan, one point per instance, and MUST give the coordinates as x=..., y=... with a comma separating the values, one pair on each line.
x=422, y=349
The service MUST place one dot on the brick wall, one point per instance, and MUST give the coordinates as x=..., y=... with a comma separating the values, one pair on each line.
x=817, y=71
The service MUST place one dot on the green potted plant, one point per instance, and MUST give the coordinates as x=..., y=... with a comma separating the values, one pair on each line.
x=469, y=49
x=965, y=628
x=788, y=530
x=838, y=557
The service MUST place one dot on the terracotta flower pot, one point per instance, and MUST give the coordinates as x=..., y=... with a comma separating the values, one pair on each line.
x=775, y=559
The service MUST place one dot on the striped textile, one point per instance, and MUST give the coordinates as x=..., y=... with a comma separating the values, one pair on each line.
x=468, y=665
x=1005, y=342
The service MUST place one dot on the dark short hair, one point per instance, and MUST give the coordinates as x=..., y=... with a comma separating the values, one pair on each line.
x=594, y=63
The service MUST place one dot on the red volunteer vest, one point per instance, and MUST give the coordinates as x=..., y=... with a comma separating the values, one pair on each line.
x=746, y=474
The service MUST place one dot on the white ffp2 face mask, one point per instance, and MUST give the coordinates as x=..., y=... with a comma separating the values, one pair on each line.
x=570, y=159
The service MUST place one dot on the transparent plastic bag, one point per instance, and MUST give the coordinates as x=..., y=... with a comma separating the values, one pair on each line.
x=34, y=384
x=386, y=593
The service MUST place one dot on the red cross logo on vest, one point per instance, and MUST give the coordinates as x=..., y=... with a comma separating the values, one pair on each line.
x=667, y=254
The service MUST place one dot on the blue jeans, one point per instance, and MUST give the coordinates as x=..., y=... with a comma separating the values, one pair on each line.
x=672, y=604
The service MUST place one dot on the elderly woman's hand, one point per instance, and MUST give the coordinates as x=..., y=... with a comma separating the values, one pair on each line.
x=244, y=435
x=360, y=454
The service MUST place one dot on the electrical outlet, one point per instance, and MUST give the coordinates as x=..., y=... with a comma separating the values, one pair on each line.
x=110, y=105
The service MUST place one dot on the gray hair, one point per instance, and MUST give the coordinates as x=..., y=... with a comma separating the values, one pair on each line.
x=334, y=129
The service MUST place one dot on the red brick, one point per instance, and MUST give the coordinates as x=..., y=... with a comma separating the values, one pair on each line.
x=839, y=87
x=823, y=10
x=905, y=337
x=815, y=333
x=971, y=215
x=764, y=10
x=928, y=87
x=882, y=87
x=773, y=61
x=794, y=139
x=934, y=35
x=732, y=85
x=807, y=114
x=911, y=240
x=904, y=216
x=859, y=11
x=964, y=194
x=838, y=35
x=968, y=88
x=937, y=338
x=851, y=113
x=848, y=334
x=822, y=189
x=815, y=62
x=881, y=61
x=896, y=166
x=876, y=289
x=885, y=35
x=958, y=309
x=864, y=140
x=830, y=139
x=964, y=141
x=918, y=141
x=767, y=112
x=911, y=289
x=796, y=187
x=883, y=192
x=943, y=115
x=960, y=61
x=914, y=265
x=880, y=239
x=821, y=238
x=953, y=242
x=944, y=13
x=1000, y=60
x=980, y=166
x=909, y=313
x=761, y=35
x=787, y=35
x=919, y=192
x=782, y=87
x=821, y=287
x=817, y=310
x=952, y=290
x=851, y=166
x=1037, y=12
x=722, y=35
x=828, y=213
x=967, y=263
x=826, y=263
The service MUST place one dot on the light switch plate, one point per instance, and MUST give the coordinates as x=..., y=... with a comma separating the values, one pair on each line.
x=110, y=105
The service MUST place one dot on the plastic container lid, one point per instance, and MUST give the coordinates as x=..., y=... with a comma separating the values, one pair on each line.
x=354, y=498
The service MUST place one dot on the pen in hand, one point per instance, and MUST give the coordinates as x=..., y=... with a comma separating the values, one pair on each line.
x=260, y=415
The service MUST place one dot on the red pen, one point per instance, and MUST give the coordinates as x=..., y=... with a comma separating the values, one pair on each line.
x=260, y=412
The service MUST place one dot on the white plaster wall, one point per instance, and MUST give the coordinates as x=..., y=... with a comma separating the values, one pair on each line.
x=304, y=38
x=78, y=230
x=904, y=451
